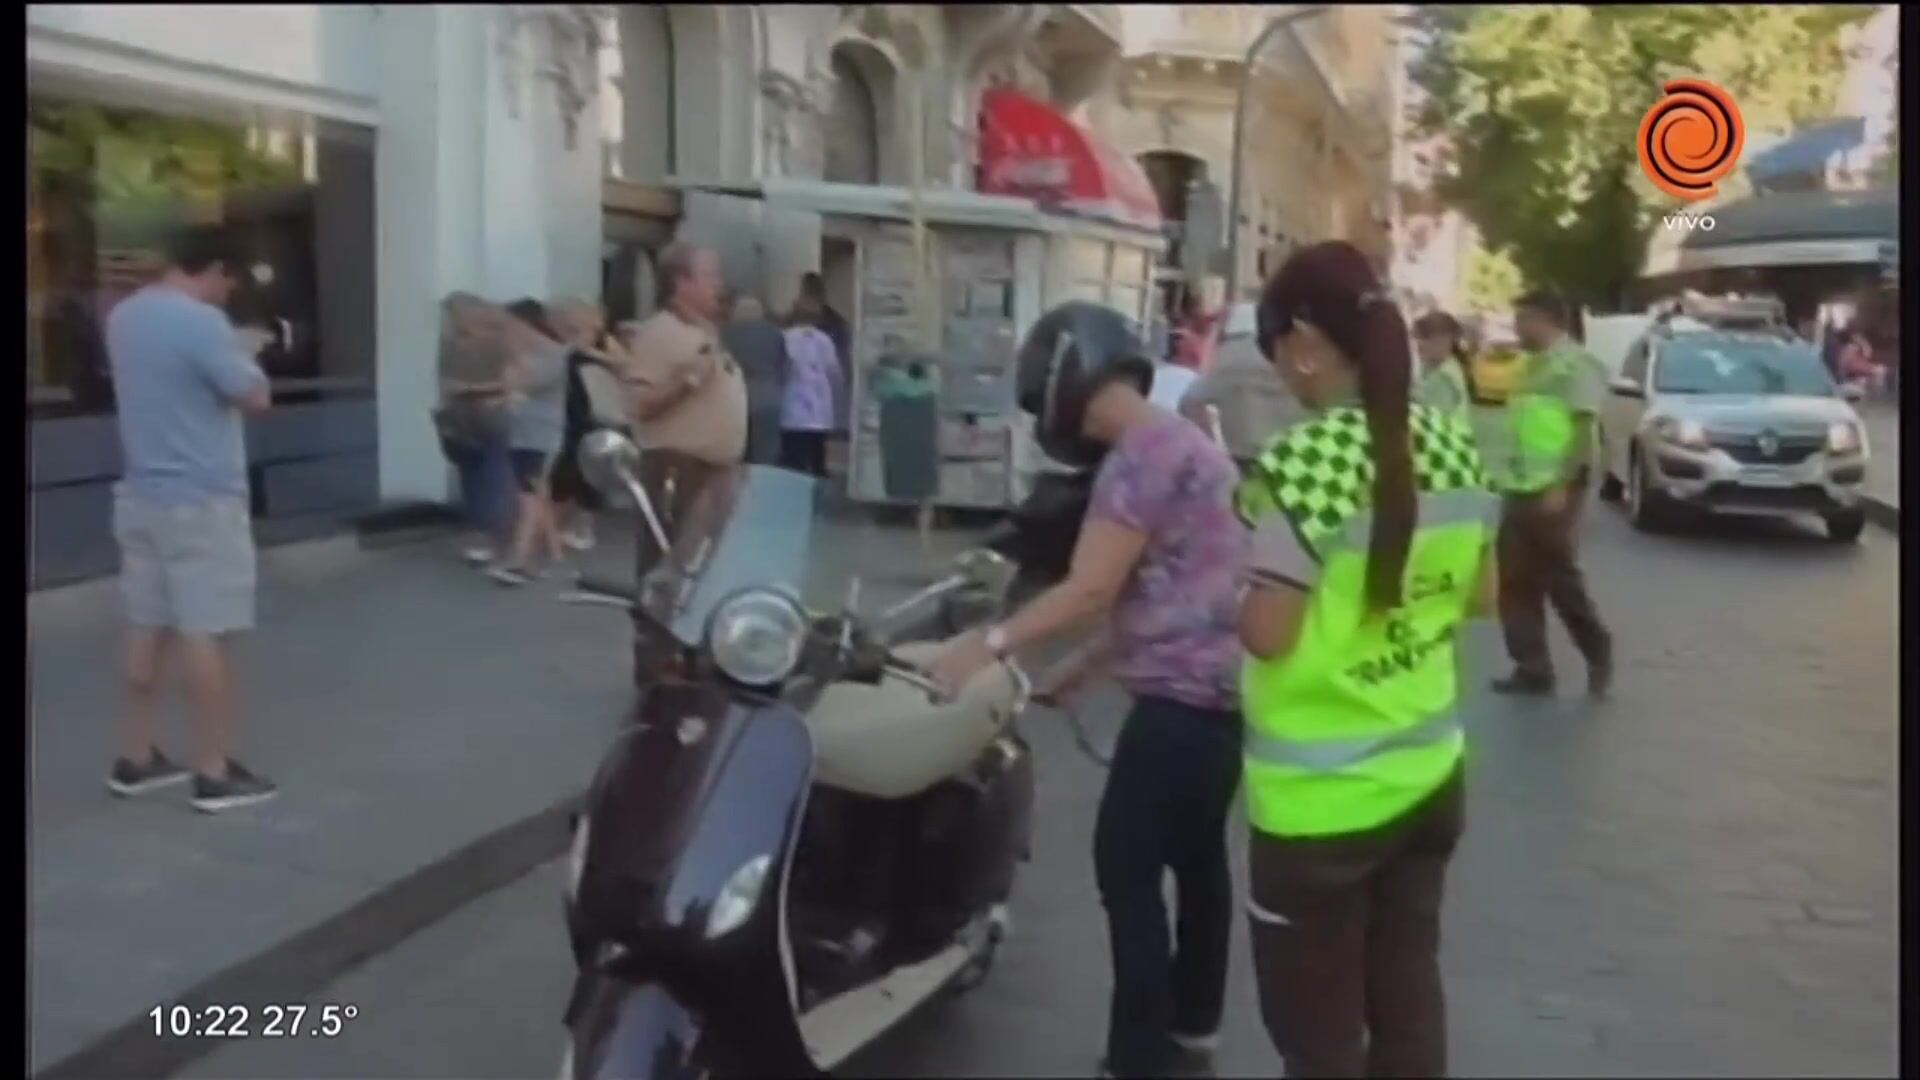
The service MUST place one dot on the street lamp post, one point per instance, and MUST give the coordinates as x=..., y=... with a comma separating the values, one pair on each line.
x=1239, y=139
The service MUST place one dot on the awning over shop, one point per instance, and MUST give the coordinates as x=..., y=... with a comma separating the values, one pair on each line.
x=1028, y=148
x=1798, y=228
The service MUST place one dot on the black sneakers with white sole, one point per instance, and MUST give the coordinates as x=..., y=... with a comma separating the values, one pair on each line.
x=128, y=779
x=238, y=788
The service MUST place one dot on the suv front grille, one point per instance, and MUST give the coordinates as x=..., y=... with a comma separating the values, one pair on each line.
x=1792, y=449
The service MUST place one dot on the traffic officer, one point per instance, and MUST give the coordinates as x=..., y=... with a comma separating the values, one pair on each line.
x=1442, y=349
x=1160, y=551
x=1551, y=412
x=1373, y=532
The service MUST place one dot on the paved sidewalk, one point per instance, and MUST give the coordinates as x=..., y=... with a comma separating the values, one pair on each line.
x=408, y=708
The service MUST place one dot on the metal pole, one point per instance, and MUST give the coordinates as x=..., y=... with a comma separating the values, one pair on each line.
x=1239, y=138
x=922, y=309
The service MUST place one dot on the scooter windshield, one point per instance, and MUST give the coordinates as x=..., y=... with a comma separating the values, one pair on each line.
x=749, y=526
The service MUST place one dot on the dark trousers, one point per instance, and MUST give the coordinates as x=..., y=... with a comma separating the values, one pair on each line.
x=1174, y=772
x=1350, y=980
x=1538, y=553
x=804, y=451
x=486, y=484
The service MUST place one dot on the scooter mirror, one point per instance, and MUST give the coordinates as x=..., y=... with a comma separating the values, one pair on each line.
x=611, y=463
x=986, y=569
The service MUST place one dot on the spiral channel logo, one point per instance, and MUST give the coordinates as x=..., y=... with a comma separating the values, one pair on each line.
x=1691, y=139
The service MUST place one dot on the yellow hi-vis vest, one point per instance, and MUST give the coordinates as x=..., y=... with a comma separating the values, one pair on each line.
x=1357, y=724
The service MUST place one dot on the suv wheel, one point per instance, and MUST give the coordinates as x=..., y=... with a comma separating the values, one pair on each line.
x=1845, y=526
x=1645, y=508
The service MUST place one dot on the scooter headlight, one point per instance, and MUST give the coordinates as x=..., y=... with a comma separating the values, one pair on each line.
x=738, y=897
x=755, y=637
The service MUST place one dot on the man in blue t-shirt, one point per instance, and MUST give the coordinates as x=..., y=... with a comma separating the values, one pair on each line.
x=183, y=378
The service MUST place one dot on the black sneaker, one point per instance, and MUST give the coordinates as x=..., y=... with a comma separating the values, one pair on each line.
x=128, y=779
x=1517, y=685
x=238, y=788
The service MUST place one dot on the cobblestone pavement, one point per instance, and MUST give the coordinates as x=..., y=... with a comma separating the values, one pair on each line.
x=1696, y=878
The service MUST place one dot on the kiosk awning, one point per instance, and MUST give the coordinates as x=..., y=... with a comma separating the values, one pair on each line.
x=1028, y=148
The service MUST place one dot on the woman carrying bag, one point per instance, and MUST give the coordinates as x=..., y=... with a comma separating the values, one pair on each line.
x=471, y=419
x=1373, y=538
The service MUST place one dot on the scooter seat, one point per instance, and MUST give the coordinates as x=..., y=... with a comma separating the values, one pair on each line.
x=890, y=741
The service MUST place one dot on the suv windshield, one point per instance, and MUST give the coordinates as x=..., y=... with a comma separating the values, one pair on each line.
x=1719, y=365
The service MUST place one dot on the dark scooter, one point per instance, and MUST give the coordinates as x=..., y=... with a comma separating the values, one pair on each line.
x=797, y=841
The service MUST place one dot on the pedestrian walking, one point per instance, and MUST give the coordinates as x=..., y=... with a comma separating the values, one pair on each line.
x=688, y=398
x=1441, y=345
x=184, y=378
x=471, y=420
x=760, y=348
x=1251, y=402
x=1551, y=409
x=581, y=326
x=813, y=291
x=1373, y=540
x=806, y=411
x=1160, y=554
x=536, y=427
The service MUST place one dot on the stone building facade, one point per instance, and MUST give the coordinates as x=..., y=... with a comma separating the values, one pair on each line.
x=1319, y=125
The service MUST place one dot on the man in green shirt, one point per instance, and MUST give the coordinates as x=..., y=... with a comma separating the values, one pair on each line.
x=1552, y=409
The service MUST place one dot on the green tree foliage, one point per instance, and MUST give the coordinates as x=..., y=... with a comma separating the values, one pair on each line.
x=1541, y=106
x=140, y=168
x=1493, y=282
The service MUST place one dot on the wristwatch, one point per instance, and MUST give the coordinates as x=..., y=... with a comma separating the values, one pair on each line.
x=996, y=642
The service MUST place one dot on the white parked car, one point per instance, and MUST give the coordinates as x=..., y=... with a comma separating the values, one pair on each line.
x=1735, y=421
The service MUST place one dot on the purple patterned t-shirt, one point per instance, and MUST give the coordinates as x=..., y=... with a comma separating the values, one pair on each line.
x=1174, y=629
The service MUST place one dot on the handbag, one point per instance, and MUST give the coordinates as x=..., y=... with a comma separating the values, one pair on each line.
x=469, y=423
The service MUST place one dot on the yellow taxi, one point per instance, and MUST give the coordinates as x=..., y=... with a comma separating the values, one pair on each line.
x=1495, y=366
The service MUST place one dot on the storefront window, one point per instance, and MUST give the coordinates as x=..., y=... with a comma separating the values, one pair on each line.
x=109, y=182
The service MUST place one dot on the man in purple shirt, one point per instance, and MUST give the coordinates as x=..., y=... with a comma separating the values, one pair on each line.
x=1159, y=554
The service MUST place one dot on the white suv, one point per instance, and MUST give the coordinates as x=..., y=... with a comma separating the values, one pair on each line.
x=1732, y=421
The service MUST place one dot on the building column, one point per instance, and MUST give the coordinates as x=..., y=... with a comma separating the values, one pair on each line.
x=476, y=192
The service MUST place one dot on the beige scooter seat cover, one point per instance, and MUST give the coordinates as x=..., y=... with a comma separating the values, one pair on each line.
x=889, y=741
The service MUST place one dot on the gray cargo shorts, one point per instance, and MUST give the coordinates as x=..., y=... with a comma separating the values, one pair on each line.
x=188, y=568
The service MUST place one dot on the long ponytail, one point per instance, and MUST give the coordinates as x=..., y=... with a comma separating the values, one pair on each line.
x=1332, y=286
x=1385, y=368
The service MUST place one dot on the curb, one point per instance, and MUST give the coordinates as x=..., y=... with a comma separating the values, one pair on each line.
x=1882, y=513
x=302, y=965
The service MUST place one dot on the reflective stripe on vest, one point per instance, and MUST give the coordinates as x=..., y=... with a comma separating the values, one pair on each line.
x=1333, y=755
x=1357, y=723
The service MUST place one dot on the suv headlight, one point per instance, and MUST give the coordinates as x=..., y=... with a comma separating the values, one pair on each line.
x=1681, y=432
x=755, y=637
x=1843, y=437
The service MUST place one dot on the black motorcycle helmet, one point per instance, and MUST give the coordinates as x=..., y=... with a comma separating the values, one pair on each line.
x=1070, y=355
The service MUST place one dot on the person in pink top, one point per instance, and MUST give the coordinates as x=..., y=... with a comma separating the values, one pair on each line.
x=806, y=412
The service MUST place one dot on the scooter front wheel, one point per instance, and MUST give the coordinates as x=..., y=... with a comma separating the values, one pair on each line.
x=633, y=1032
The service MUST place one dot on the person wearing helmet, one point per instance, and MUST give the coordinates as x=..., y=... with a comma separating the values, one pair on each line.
x=1159, y=552
x=1373, y=542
